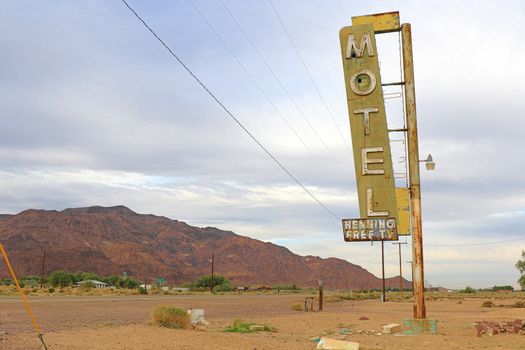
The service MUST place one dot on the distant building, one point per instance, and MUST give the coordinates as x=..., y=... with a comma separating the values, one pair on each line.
x=95, y=283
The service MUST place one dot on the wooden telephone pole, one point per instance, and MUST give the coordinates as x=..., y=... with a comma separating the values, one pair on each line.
x=43, y=269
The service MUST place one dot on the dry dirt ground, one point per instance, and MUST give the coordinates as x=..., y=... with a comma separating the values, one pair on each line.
x=120, y=322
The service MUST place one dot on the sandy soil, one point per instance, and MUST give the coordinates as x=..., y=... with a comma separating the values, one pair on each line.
x=121, y=323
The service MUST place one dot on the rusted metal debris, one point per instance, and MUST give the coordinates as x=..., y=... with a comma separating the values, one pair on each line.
x=492, y=328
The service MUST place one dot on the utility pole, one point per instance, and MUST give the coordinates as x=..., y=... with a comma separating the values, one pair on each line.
x=383, y=268
x=413, y=165
x=212, y=282
x=400, y=269
x=320, y=295
x=43, y=269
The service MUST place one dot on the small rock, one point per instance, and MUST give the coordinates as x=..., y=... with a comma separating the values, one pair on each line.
x=363, y=318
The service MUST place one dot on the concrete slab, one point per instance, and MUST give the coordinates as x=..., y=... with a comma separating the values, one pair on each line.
x=334, y=344
x=391, y=328
x=415, y=326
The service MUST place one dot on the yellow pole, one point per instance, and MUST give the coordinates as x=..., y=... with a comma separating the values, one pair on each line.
x=26, y=303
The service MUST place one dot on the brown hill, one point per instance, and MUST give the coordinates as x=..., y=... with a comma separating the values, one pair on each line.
x=116, y=239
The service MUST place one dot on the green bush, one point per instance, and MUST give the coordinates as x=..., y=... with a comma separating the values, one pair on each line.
x=86, y=276
x=246, y=327
x=6, y=281
x=292, y=287
x=468, y=289
x=498, y=288
x=170, y=317
x=218, y=283
x=239, y=327
x=143, y=290
x=61, y=279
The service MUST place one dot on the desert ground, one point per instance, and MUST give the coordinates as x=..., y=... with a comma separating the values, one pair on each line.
x=121, y=322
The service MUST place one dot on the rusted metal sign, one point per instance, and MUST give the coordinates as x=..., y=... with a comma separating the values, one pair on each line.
x=403, y=211
x=382, y=22
x=370, y=141
x=378, y=229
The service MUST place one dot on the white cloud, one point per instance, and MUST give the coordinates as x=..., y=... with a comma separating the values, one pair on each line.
x=97, y=113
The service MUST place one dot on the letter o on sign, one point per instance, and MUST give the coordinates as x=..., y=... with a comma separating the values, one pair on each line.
x=363, y=82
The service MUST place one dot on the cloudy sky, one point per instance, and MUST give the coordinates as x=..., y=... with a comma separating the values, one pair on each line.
x=96, y=112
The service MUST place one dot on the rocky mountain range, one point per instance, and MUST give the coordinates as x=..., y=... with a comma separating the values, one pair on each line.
x=111, y=240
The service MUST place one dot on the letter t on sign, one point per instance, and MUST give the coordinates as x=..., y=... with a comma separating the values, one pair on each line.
x=366, y=112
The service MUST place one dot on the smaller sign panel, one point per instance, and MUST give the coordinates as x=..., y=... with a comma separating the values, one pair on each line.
x=403, y=211
x=376, y=229
x=382, y=22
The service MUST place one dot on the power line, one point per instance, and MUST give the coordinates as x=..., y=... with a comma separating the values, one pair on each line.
x=254, y=81
x=475, y=244
x=345, y=141
x=281, y=84
x=228, y=111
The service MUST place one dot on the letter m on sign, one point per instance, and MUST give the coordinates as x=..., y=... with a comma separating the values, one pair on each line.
x=353, y=51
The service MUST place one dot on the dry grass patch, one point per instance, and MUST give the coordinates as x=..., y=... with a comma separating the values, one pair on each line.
x=519, y=304
x=487, y=303
x=297, y=307
x=170, y=317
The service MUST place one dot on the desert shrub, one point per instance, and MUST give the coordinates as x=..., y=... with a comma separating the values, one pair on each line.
x=332, y=298
x=30, y=280
x=297, y=307
x=142, y=290
x=498, y=288
x=487, y=303
x=247, y=327
x=6, y=281
x=170, y=317
x=291, y=287
x=239, y=327
x=519, y=304
x=86, y=276
x=51, y=290
x=468, y=289
x=126, y=282
x=225, y=287
x=87, y=286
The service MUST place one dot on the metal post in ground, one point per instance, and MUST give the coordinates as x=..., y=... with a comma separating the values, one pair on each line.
x=400, y=270
x=383, y=269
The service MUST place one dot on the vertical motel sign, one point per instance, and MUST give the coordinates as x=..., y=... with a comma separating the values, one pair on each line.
x=370, y=141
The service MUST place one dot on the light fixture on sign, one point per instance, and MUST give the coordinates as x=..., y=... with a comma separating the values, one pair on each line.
x=429, y=163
